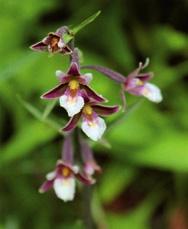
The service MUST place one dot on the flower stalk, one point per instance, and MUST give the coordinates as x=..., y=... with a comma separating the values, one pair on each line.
x=86, y=110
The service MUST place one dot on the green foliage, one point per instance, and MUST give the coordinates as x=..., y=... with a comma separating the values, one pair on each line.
x=76, y=29
x=148, y=138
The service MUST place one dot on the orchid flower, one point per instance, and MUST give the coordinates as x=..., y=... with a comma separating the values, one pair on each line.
x=135, y=83
x=92, y=124
x=53, y=42
x=69, y=91
x=63, y=178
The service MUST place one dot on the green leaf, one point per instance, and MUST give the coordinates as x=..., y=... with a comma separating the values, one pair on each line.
x=169, y=151
x=121, y=177
x=49, y=108
x=138, y=218
x=85, y=22
x=76, y=29
x=25, y=141
x=41, y=116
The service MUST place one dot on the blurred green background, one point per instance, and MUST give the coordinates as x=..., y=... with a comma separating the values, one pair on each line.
x=144, y=182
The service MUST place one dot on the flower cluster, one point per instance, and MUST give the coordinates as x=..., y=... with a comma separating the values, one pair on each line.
x=79, y=100
x=84, y=104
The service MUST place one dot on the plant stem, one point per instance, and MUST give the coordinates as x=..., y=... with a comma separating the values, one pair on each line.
x=87, y=212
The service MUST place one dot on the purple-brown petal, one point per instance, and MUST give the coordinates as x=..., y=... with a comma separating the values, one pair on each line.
x=46, y=186
x=104, y=110
x=84, y=179
x=93, y=95
x=134, y=73
x=55, y=92
x=66, y=50
x=116, y=76
x=74, y=69
x=72, y=122
x=67, y=152
x=145, y=76
x=39, y=46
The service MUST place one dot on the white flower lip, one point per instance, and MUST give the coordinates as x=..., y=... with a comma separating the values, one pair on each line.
x=58, y=73
x=87, y=77
x=65, y=188
x=51, y=175
x=152, y=92
x=61, y=44
x=72, y=106
x=94, y=130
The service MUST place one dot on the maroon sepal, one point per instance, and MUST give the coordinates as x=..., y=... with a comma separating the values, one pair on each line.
x=39, y=46
x=74, y=69
x=85, y=179
x=55, y=92
x=105, y=110
x=46, y=186
x=72, y=122
x=93, y=95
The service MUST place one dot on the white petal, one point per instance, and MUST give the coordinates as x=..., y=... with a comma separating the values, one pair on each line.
x=87, y=77
x=72, y=105
x=65, y=188
x=75, y=168
x=95, y=129
x=51, y=175
x=152, y=92
x=60, y=75
x=61, y=44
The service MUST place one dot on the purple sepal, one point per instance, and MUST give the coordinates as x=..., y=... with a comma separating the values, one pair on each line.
x=64, y=78
x=93, y=95
x=48, y=184
x=66, y=50
x=143, y=76
x=67, y=152
x=62, y=30
x=74, y=69
x=87, y=155
x=55, y=92
x=119, y=78
x=72, y=122
x=39, y=46
x=105, y=110
x=85, y=179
